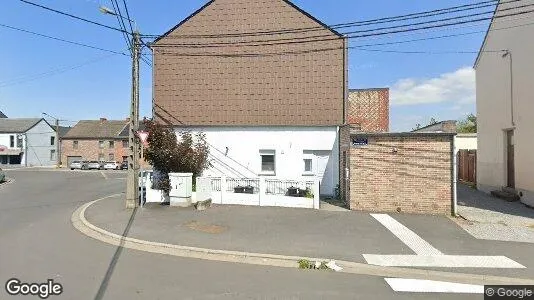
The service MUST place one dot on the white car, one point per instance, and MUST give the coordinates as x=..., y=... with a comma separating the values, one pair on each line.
x=112, y=165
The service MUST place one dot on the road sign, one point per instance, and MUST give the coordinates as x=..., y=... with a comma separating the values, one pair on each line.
x=143, y=136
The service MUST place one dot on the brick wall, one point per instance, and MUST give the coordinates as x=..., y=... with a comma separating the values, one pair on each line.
x=369, y=108
x=408, y=173
x=344, y=160
x=90, y=150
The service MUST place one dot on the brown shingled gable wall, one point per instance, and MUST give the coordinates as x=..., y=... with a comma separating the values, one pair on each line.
x=305, y=88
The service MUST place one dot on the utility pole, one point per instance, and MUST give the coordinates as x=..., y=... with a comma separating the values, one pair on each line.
x=132, y=188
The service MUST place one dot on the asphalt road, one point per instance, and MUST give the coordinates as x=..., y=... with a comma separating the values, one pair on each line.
x=38, y=242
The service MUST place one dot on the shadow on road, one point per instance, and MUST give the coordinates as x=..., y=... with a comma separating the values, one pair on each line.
x=114, y=260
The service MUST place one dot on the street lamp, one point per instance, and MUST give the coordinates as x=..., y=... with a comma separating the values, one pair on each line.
x=132, y=183
x=58, y=156
x=108, y=11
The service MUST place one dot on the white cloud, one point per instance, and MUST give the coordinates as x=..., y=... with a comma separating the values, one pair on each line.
x=457, y=87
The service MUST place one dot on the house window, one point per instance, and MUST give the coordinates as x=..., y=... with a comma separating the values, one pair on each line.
x=74, y=144
x=101, y=144
x=125, y=158
x=52, y=140
x=124, y=144
x=267, y=161
x=101, y=157
x=52, y=154
x=12, y=141
x=111, y=144
x=308, y=165
x=111, y=157
x=19, y=141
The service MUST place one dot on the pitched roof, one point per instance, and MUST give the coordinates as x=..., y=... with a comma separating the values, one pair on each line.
x=96, y=129
x=486, y=36
x=63, y=130
x=211, y=2
x=126, y=130
x=8, y=125
x=2, y=115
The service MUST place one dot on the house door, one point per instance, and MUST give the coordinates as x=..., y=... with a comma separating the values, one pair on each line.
x=325, y=172
x=510, y=159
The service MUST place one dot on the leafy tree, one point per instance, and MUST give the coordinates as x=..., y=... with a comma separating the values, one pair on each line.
x=467, y=125
x=167, y=154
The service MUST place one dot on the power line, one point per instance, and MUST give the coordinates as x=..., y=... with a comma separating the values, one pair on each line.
x=60, y=39
x=362, y=47
x=417, y=15
x=51, y=72
x=128, y=15
x=121, y=25
x=284, y=42
x=71, y=15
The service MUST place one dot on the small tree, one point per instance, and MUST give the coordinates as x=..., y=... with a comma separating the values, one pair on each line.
x=167, y=154
x=467, y=125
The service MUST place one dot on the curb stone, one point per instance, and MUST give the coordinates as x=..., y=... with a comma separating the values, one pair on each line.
x=85, y=227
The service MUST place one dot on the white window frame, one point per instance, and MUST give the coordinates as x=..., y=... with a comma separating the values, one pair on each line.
x=53, y=155
x=265, y=153
x=308, y=154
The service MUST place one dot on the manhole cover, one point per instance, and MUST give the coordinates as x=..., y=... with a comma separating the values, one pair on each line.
x=206, y=228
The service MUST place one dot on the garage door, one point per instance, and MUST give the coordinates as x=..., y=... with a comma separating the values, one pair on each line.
x=70, y=159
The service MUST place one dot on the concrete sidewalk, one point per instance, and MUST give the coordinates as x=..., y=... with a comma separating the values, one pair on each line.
x=491, y=218
x=299, y=232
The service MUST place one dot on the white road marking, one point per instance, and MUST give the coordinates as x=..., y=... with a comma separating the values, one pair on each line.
x=408, y=237
x=104, y=174
x=430, y=286
x=443, y=261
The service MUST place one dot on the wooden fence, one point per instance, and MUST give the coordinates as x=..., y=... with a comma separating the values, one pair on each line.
x=467, y=161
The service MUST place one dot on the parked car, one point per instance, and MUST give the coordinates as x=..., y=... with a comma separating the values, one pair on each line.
x=95, y=165
x=2, y=175
x=112, y=165
x=82, y=165
x=124, y=165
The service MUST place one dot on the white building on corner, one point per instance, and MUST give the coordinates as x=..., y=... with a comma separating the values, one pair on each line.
x=505, y=106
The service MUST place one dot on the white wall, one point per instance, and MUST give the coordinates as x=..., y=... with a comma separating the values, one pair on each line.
x=242, y=159
x=465, y=141
x=38, y=145
x=494, y=109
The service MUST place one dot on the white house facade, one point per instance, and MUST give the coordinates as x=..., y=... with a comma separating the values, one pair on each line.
x=281, y=152
x=27, y=142
x=505, y=106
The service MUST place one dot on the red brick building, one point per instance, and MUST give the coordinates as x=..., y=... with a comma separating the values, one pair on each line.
x=98, y=140
x=368, y=109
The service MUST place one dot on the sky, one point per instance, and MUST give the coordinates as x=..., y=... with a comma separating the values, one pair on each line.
x=72, y=82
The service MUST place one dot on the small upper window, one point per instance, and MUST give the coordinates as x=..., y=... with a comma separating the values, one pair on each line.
x=74, y=144
x=101, y=144
x=124, y=144
x=308, y=165
x=11, y=141
x=111, y=144
x=52, y=140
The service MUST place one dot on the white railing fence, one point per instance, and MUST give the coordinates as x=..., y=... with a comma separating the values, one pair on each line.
x=259, y=191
